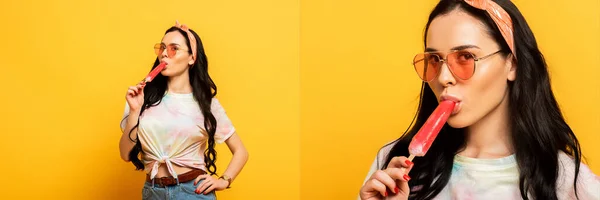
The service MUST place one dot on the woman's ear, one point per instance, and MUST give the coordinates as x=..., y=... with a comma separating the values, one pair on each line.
x=191, y=62
x=511, y=64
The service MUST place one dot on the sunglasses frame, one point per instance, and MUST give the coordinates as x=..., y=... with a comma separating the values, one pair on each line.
x=445, y=60
x=157, y=47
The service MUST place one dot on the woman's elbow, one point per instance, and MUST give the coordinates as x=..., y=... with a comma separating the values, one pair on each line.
x=245, y=154
x=125, y=157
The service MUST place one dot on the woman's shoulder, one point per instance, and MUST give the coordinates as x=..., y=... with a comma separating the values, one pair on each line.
x=384, y=151
x=215, y=103
x=566, y=164
x=588, y=184
x=382, y=154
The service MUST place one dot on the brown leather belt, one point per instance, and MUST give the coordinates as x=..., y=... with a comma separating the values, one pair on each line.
x=169, y=180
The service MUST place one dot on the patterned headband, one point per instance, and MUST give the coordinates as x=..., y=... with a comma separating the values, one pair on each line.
x=190, y=37
x=500, y=17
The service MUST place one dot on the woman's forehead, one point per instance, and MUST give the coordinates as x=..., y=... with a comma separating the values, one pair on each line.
x=457, y=28
x=173, y=37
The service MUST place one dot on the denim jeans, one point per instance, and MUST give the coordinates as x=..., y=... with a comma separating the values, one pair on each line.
x=183, y=191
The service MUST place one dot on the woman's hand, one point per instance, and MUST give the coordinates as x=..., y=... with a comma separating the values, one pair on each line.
x=393, y=179
x=135, y=97
x=209, y=184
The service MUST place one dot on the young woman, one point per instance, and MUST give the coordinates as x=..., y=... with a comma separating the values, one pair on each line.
x=174, y=121
x=506, y=138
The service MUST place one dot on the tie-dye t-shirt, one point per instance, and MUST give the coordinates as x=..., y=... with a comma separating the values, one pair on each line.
x=172, y=132
x=499, y=178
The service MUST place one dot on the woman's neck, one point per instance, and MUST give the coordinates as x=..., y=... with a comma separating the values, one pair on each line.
x=490, y=137
x=179, y=84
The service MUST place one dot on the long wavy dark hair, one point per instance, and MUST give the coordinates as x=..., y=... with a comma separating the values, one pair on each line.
x=203, y=89
x=539, y=131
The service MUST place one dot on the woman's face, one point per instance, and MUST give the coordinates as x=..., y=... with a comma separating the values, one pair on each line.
x=178, y=63
x=483, y=92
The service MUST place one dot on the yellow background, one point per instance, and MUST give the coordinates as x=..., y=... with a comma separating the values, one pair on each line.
x=359, y=90
x=314, y=87
x=66, y=68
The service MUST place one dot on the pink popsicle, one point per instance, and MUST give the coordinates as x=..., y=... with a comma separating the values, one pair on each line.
x=424, y=138
x=155, y=72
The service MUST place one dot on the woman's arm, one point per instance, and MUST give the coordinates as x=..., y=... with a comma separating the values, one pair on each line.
x=125, y=144
x=240, y=156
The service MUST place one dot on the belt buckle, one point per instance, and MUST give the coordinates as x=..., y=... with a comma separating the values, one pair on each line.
x=168, y=181
x=161, y=181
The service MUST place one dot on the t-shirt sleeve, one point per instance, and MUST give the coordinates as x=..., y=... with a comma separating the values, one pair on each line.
x=224, y=126
x=378, y=161
x=124, y=118
x=588, y=184
x=372, y=170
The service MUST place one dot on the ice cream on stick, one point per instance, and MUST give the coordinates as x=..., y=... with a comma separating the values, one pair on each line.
x=424, y=138
x=154, y=72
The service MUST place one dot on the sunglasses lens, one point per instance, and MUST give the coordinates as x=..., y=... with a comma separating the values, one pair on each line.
x=158, y=49
x=426, y=66
x=462, y=64
x=171, y=51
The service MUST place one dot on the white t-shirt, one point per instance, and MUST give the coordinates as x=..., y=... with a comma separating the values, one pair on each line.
x=172, y=132
x=499, y=178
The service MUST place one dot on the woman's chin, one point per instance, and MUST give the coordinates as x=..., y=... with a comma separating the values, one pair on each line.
x=166, y=73
x=458, y=121
x=172, y=72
